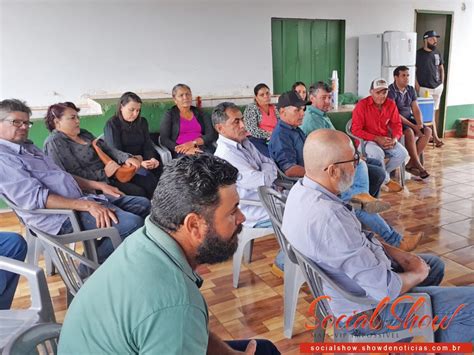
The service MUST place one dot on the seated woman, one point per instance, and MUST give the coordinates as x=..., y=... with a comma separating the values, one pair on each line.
x=71, y=148
x=300, y=89
x=128, y=132
x=260, y=118
x=184, y=129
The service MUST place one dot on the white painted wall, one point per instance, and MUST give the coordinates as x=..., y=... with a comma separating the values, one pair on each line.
x=56, y=50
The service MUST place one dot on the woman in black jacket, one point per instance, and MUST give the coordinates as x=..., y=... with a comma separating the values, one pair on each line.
x=184, y=128
x=128, y=132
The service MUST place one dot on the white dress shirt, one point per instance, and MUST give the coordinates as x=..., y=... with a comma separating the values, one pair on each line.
x=255, y=170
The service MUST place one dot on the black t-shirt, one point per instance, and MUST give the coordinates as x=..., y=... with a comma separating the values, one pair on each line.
x=427, y=68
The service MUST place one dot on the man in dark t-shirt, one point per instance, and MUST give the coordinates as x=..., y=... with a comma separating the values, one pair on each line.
x=416, y=134
x=430, y=75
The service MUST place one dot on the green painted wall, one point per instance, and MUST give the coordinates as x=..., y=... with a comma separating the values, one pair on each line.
x=453, y=113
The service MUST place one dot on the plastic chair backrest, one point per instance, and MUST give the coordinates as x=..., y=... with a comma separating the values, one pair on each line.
x=38, y=339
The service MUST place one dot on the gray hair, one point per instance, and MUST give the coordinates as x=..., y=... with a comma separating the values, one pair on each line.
x=177, y=87
x=320, y=85
x=219, y=114
x=12, y=105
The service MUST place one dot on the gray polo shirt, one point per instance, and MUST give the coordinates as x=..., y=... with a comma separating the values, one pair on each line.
x=319, y=225
x=144, y=299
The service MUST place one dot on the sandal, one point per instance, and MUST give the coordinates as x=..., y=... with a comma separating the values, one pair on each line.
x=424, y=174
x=414, y=171
x=439, y=144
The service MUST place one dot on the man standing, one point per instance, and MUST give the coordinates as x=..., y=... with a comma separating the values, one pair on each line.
x=376, y=120
x=430, y=75
x=145, y=298
x=323, y=228
x=31, y=180
x=416, y=134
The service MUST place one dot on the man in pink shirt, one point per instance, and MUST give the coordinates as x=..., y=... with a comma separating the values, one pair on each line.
x=376, y=120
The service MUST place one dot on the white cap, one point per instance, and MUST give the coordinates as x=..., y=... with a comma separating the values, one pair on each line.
x=379, y=83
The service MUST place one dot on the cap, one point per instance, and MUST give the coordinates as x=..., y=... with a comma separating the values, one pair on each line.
x=290, y=98
x=431, y=33
x=379, y=83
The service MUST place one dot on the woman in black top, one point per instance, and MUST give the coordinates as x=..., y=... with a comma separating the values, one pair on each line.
x=184, y=128
x=71, y=149
x=128, y=132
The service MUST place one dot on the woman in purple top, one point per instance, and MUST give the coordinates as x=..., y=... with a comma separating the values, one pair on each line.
x=184, y=128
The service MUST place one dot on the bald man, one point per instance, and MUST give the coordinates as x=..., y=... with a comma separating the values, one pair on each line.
x=323, y=228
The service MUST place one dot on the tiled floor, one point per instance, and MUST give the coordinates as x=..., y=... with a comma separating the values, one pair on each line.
x=442, y=207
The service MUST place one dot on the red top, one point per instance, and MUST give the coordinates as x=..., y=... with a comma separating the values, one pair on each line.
x=269, y=120
x=368, y=121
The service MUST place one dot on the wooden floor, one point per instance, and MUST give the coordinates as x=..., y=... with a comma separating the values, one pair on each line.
x=442, y=207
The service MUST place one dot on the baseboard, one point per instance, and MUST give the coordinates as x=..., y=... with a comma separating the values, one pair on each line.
x=450, y=134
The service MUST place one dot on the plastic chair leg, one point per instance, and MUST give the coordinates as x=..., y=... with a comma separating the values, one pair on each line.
x=294, y=279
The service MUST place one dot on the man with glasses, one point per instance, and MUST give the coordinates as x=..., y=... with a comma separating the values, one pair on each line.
x=32, y=181
x=286, y=148
x=376, y=120
x=317, y=223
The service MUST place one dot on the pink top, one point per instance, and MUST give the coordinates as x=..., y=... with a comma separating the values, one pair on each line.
x=269, y=120
x=189, y=130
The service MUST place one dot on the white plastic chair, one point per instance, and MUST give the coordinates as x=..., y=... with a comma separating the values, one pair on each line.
x=39, y=339
x=14, y=321
x=274, y=204
x=245, y=247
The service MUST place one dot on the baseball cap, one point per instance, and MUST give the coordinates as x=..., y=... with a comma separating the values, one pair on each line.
x=379, y=83
x=290, y=98
x=430, y=33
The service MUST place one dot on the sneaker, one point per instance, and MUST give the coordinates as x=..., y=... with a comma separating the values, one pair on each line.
x=370, y=204
x=409, y=243
x=393, y=186
x=277, y=271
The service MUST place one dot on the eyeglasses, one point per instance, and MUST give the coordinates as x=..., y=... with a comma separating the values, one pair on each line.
x=18, y=123
x=354, y=161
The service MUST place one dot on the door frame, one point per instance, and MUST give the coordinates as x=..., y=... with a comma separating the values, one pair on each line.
x=447, y=52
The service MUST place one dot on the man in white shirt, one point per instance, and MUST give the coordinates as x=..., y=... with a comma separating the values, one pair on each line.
x=255, y=169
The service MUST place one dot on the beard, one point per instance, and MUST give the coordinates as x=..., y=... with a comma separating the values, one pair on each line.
x=214, y=249
x=346, y=181
x=431, y=46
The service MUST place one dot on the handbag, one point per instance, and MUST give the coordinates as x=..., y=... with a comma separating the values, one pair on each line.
x=122, y=173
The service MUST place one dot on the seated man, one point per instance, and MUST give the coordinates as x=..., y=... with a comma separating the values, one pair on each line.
x=416, y=134
x=315, y=117
x=12, y=245
x=286, y=148
x=32, y=180
x=323, y=228
x=255, y=169
x=376, y=120
x=157, y=307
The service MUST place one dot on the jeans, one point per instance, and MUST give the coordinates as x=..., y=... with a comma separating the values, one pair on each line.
x=264, y=347
x=377, y=224
x=444, y=301
x=12, y=245
x=130, y=212
x=360, y=184
x=396, y=155
x=376, y=176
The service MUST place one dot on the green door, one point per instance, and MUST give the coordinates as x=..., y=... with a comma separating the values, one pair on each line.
x=306, y=50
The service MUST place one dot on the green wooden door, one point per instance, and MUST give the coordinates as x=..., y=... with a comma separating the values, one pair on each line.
x=306, y=50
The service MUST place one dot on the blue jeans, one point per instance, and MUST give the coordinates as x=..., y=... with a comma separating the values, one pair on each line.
x=12, y=245
x=376, y=176
x=130, y=211
x=360, y=184
x=444, y=301
x=377, y=224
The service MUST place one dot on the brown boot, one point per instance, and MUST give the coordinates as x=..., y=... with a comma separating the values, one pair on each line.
x=409, y=243
x=392, y=186
x=370, y=204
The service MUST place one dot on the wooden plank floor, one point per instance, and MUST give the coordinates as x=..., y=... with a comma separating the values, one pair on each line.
x=442, y=207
